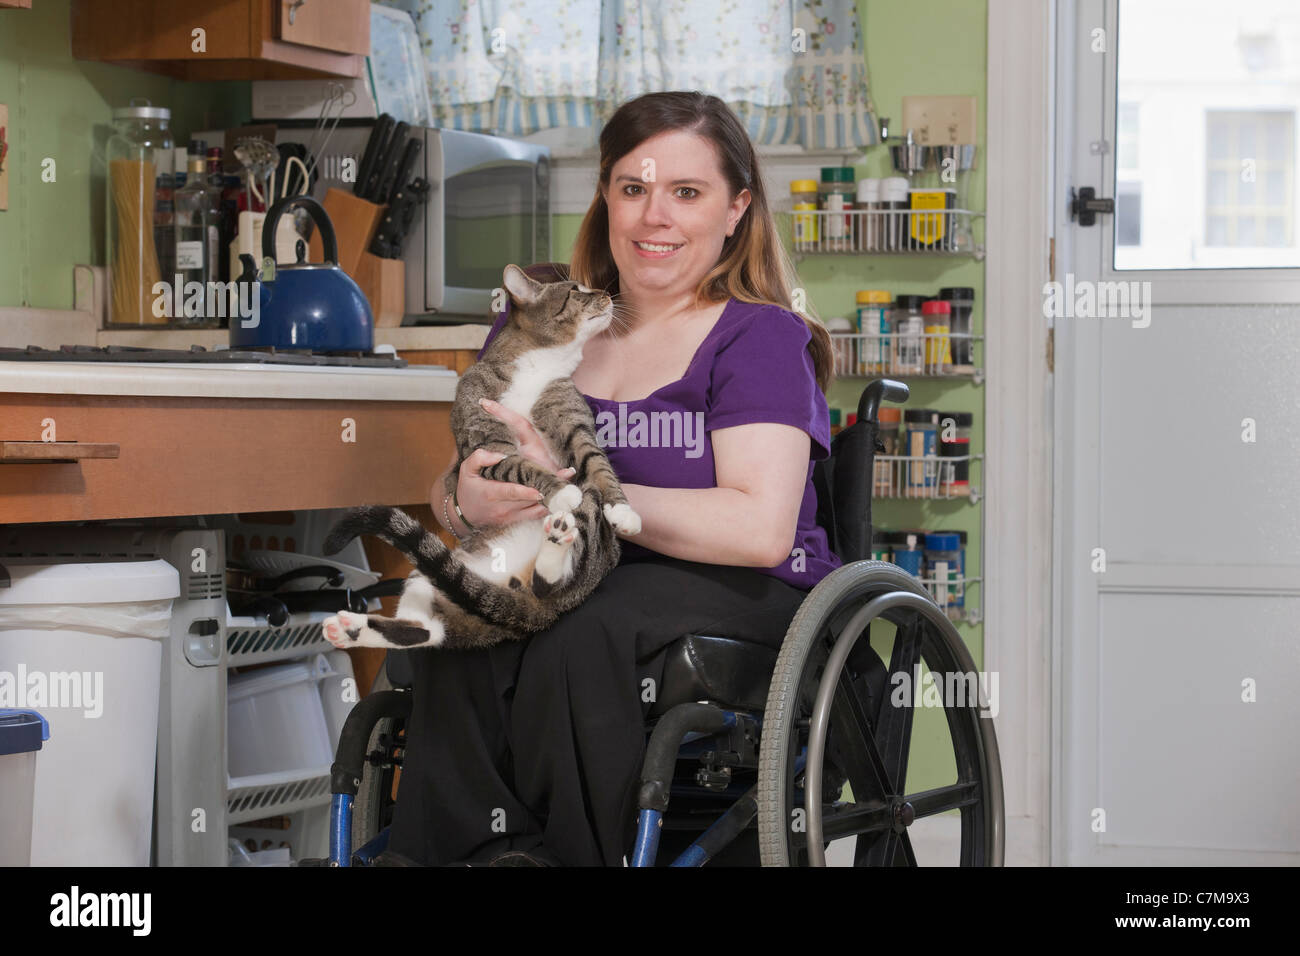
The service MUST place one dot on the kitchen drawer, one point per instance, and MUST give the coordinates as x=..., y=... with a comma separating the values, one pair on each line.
x=182, y=456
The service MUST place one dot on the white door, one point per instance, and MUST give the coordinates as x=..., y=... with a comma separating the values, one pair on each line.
x=1177, y=434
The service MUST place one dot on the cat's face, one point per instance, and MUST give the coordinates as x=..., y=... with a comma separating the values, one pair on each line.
x=554, y=313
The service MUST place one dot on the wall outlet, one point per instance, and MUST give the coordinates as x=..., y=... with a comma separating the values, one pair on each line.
x=939, y=120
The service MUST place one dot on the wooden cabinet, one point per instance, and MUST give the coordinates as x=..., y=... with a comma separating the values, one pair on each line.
x=240, y=39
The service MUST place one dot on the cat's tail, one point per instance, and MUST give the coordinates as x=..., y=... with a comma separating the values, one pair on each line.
x=515, y=610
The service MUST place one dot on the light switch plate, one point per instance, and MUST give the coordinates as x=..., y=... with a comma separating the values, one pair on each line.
x=939, y=120
x=6, y=135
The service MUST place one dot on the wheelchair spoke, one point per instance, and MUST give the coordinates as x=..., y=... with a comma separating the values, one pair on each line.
x=860, y=759
x=894, y=732
x=943, y=799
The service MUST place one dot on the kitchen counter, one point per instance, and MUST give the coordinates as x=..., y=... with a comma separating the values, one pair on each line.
x=47, y=329
x=415, y=383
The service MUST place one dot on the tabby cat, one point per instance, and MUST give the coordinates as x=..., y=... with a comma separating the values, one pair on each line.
x=508, y=582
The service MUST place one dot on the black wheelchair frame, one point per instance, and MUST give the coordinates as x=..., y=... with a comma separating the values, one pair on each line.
x=741, y=732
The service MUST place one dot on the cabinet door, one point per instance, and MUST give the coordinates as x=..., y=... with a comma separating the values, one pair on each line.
x=341, y=25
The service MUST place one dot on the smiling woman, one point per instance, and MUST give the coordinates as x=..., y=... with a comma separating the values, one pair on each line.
x=537, y=745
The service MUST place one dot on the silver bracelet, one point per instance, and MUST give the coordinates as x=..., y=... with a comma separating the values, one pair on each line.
x=450, y=527
x=461, y=515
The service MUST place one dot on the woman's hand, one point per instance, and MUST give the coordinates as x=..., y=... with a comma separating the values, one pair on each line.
x=486, y=502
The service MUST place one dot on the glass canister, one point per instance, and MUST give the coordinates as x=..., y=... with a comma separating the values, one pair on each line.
x=139, y=162
x=806, y=231
x=874, y=307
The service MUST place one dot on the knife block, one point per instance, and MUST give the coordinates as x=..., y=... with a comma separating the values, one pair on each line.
x=384, y=283
x=355, y=221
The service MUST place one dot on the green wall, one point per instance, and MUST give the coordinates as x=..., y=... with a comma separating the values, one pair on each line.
x=61, y=108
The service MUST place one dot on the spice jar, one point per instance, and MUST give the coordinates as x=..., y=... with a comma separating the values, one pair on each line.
x=836, y=195
x=139, y=161
x=908, y=553
x=938, y=353
x=886, y=472
x=806, y=231
x=921, y=447
x=868, y=218
x=874, y=307
x=961, y=303
x=907, y=335
x=958, y=604
x=894, y=214
x=943, y=569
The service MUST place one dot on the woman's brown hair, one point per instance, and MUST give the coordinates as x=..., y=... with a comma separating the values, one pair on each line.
x=754, y=266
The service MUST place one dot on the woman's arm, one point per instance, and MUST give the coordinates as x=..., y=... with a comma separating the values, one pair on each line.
x=749, y=519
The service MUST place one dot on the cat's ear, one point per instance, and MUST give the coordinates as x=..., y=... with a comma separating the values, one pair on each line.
x=520, y=285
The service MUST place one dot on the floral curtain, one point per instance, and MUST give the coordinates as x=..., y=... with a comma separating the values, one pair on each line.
x=792, y=70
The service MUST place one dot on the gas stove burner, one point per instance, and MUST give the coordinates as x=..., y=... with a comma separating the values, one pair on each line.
x=197, y=354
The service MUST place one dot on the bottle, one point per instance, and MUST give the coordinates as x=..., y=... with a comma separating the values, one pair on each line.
x=938, y=353
x=874, y=307
x=192, y=241
x=908, y=335
x=803, y=192
x=213, y=181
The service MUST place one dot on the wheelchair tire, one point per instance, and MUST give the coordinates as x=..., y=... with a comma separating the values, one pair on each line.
x=371, y=805
x=880, y=826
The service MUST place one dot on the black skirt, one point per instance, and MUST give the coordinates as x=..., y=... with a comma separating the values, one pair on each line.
x=537, y=745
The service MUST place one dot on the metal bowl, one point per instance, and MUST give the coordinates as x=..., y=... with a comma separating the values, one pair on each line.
x=910, y=159
x=963, y=156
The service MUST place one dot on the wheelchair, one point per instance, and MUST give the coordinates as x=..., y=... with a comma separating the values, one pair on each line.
x=810, y=744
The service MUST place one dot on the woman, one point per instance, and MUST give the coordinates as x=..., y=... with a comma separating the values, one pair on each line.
x=529, y=753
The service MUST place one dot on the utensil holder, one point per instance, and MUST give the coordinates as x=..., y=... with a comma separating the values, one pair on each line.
x=355, y=221
x=384, y=283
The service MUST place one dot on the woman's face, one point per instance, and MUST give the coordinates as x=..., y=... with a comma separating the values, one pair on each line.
x=669, y=194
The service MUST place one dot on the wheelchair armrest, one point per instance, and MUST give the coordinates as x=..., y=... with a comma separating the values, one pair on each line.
x=350, y=758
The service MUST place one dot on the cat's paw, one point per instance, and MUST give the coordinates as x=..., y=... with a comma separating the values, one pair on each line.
x=622, y=518
x=566, y=499
x=561, y=528
x=347, y=629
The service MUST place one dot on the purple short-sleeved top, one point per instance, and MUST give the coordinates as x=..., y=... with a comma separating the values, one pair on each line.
x=753, y=366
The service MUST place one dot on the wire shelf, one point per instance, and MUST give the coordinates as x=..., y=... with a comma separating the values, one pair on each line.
x=941, y=232
x=927, y=477
x=909, y=355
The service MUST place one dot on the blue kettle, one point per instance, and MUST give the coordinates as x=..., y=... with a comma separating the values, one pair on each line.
x=307, y=306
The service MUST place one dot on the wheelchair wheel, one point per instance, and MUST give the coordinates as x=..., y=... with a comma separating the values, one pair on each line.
x=372, y=808
x=830, y=720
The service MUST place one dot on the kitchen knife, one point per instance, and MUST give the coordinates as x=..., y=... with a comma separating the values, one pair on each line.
x=396, y=221
x=403, y=169
x=374, y=146
x=376, y=171
x=392, y=159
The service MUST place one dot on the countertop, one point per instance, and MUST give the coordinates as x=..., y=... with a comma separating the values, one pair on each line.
x=50, y=329
x=415, y=383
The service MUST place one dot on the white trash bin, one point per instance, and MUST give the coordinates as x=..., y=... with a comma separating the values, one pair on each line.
x=22, y=734
x=82, y=642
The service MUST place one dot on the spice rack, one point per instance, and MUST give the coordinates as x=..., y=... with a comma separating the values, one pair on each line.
x=927, y=477
x=968, y=611
x=872, y=354
x=937, y=232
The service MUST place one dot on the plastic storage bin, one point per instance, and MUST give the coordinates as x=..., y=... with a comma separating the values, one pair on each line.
x=22, y=733
x=82, y=642
x=275, y=721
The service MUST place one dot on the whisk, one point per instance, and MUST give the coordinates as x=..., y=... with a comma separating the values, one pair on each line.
x=260, y=159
